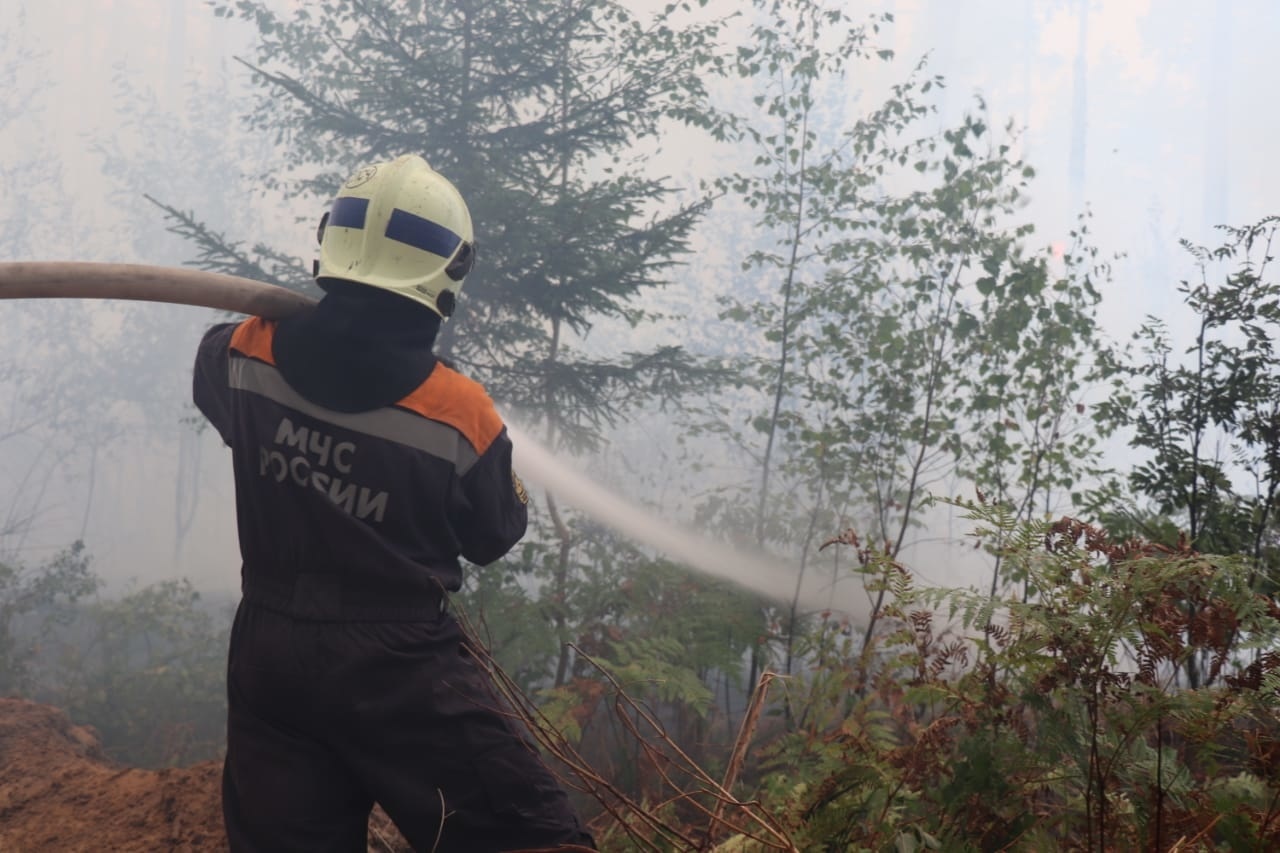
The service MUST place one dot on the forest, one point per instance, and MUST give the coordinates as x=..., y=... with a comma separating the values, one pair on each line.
x=1049, y=559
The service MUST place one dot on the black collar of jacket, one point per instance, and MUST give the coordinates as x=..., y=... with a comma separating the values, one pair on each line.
x=360, y=349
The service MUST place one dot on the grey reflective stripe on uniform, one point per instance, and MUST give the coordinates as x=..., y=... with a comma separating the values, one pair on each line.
x=420, y=433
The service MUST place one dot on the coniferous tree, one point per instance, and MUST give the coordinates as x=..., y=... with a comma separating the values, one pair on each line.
x=536, y=111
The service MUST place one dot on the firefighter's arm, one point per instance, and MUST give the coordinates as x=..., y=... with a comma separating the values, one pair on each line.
x=496, y=512
x=210, y=389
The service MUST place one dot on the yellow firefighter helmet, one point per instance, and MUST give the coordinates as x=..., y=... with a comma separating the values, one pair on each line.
x=403, y=227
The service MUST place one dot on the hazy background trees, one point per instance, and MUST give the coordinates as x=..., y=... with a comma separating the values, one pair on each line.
x=99, y=455
x=1156, y=191
x=776, y=273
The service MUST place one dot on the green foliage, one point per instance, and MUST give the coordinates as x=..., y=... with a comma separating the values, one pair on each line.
x=147, y=671
x=512, y=621
x=640, y=625
x=916, y=333
x=658, y=666
x=34, y=602
x=655, y=670
x=1209, y=418
x=1046, y=721
x=531, y=108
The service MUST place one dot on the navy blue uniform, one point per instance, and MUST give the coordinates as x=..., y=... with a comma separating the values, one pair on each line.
x=364, y=469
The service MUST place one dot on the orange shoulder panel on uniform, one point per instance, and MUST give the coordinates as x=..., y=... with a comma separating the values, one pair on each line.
x=253, y=338
x=451, y=398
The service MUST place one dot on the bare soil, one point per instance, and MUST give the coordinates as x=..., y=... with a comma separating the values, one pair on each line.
x=59, y=792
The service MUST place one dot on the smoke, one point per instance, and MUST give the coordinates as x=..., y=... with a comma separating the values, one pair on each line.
x=757, y=572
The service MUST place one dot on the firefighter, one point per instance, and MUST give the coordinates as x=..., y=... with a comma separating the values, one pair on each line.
x=364, y=467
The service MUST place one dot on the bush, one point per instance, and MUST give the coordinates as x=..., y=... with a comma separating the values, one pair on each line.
x=34, y=602
x=147, y=670
x=1055, y=718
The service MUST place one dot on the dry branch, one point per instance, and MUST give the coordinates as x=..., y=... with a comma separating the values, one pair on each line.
x=648, y=826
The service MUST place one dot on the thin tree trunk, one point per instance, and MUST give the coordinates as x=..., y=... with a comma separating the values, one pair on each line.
x=784, y=345
x=562, y=530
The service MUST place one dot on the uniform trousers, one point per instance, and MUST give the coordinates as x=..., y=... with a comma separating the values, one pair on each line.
x=326, y=718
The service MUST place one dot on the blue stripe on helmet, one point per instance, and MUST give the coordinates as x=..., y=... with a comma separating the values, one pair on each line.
x=405, y=227
x=348, y=212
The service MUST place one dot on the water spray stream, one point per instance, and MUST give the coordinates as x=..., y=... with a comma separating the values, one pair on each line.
x=752, y=571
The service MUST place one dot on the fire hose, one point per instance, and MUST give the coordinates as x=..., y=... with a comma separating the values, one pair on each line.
x=80, y=280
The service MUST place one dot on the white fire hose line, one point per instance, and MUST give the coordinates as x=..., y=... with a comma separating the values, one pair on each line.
x=752, y=571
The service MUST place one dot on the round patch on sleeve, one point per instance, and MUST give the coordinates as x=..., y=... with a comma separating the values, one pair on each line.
x=521, y=492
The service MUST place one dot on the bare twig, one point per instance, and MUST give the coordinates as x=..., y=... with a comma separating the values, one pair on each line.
x=648, y=825
x=739, y=754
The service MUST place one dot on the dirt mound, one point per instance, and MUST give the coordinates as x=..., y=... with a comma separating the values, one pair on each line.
x=59, y=792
